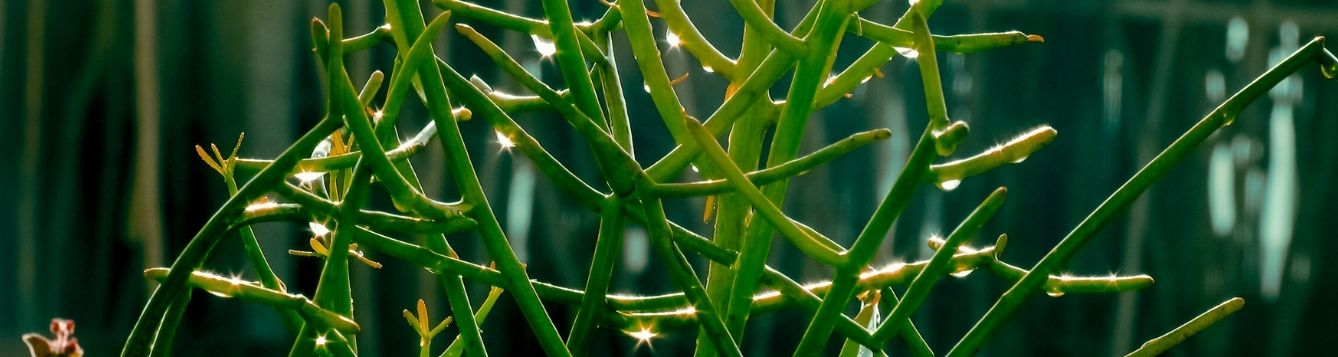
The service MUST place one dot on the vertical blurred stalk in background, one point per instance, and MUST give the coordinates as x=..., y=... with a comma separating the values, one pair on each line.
x=145, y=204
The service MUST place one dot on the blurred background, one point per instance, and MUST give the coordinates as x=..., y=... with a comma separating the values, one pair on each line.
x=102, y=101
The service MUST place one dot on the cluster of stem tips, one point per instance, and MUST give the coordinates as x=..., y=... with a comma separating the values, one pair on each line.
x=323, y=179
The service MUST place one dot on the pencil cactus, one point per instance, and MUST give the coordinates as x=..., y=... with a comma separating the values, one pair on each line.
x=361, y=147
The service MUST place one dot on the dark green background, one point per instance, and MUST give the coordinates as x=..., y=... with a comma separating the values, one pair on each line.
x=100, y=180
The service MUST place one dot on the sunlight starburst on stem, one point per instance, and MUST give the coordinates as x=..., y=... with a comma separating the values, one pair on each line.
x=504, y=141
x=672, y=39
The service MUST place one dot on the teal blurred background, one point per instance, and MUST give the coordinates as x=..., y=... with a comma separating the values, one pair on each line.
x=102, y=101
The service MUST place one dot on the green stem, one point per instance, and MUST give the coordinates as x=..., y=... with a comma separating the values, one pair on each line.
x=617, y=165
x=876, y=56
x=681, y=271
x=1160, y=165
x=938, y=265
x=333, y=289
x=232, y=287
x=502, y=123
x=402, y=192
x=414, y=58
x=771, y=174
x=607, y=248
x=1059, y=285
x=745, y=149
x=359, y=43
x=497, y=18
x=809, y=74
x=732, y=213
x=1159, y=345
x=1012, y=152
x=875, y=231
x=141, y=338
x=927, y=59
x=459, y=345
x=810, y=245
x=307, y=210
x=866, y=244
x=776, y=298
x=461, y=167
x=647, y=55
x=620, y=125
x=914, y=340
x=419, y=60
x=691, y=39
x=808, y=299
x=959, y=44
x=891, y=38
x=175, y=313
x=760, y=22
x=570, y=59
x=472, y=191
x=257, y=256
x=755, y=87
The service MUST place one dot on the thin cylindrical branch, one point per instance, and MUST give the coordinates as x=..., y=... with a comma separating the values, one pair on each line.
x=309, y=206
x=959, y=44
x=408, y=22
x=618, y=166
x=641, y=38
x=497, y=18
x=667, y=310
x=607, y=246
x=861, y=251
x=1012, y=152
x=502, y=123
x=1130, y=191
x=807, y=243
x=644, y=309
x=518, y=23
x=1162, y=343
x=877, y=55
x=333, y=287
x=829, y=24
x=367, y=40
x=766, y=75
x=890, y=39
x=745, y=141
x=875, y=231
x=141, y=338
x=808, y=300
x=234, y=287
x=772, y=68
x=681, y=271
x=927, y=60
x=691, y=39
x=938, y=265
x=1059, y=285
x=414, y=57
x=175, y=313
x=770, y=174
x=914, y=340
x=570, y=59
x=619, y=122
x=758, y=21
x=385, y=171
x=466, y=181
x=264, y=271
x=458, y=345
x=775, y=298
x=403, y=152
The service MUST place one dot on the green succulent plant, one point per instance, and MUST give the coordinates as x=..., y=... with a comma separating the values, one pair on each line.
x=358, y=146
